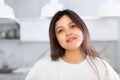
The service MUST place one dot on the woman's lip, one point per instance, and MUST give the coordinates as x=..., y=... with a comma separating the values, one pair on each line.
x=70, y=39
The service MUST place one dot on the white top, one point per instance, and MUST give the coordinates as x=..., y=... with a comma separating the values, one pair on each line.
x=46, y=69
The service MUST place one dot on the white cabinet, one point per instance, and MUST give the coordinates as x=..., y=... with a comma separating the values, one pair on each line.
x=103, y=29
x=34, y=30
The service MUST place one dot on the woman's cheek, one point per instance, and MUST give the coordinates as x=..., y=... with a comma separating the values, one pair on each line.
x=61, y=40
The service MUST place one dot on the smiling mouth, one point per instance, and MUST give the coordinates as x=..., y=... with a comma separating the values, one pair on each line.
x=71, y=39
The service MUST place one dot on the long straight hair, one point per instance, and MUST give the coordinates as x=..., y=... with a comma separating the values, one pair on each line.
x=56, y=50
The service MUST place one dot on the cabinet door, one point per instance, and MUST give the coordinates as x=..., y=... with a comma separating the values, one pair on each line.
x=35, y=30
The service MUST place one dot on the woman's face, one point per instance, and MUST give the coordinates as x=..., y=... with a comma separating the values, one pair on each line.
x=68, y=34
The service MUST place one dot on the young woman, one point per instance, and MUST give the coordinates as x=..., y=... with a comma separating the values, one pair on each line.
x=72, y=55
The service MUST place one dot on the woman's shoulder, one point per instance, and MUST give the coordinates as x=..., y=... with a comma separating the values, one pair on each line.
x=43, y=61
x=98, y=63
x=95, y=59
x=104, y=68
x=42, y=65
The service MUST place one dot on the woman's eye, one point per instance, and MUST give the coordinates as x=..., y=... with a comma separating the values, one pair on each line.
x=73, y=26
x=59, y=31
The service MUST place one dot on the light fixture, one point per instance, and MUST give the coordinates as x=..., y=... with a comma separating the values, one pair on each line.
x=6, y=11
x=51, y=8
x=7, y=14
x=109, y=9
x=7, y=20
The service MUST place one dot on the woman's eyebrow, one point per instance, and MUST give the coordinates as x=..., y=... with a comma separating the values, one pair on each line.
x=71, y=22
x=57, y=27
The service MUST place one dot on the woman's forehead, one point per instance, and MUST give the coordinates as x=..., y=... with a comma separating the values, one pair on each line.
x=63, y=20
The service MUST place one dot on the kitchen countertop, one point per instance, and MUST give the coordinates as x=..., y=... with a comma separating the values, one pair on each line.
x=19, y=76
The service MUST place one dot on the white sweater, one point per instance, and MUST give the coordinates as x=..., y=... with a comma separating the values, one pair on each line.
x=45, y=69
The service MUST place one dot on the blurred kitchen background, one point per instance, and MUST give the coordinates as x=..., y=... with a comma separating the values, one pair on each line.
x=24, y=31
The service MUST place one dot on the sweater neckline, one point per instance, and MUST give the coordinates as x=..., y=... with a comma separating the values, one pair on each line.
x=85, y=60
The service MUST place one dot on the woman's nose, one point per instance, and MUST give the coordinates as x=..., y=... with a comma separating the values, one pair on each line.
x=68, y=33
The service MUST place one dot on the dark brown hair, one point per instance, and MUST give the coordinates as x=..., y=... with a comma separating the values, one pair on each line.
x=56, y=50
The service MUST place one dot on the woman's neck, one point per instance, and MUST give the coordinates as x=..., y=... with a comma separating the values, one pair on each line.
x=73, y=57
